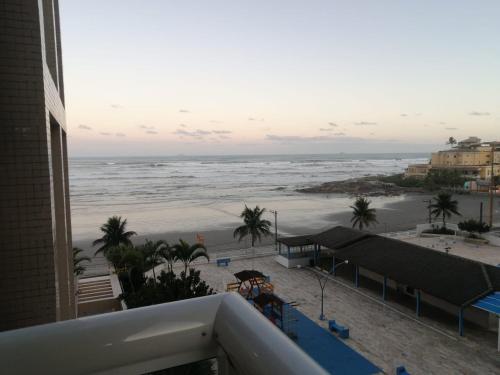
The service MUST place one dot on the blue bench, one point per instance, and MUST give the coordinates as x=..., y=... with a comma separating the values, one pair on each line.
x=223, y=262
x=401, y=371
x=342, y=331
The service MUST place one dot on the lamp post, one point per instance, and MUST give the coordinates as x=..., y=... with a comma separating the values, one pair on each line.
x=322, y=284
x=275, y=212
x=429, y=203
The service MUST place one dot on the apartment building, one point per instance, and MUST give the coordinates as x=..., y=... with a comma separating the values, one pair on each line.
x=36, y=270
x=471, y=157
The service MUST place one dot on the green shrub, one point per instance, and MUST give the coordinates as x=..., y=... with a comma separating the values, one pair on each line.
x=168, y=287
x=473, y=225
x=441, y=230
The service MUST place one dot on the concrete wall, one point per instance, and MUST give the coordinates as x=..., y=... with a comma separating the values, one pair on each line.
x=36, y=282
x=293, y=262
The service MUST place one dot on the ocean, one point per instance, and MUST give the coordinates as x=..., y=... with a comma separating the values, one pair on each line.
x=199, y=193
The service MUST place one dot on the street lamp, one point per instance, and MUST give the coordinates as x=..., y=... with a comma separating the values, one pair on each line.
x=275, y=212
x=322, y=284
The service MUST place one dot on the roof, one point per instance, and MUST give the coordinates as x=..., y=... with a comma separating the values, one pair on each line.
x=490, y=303
x=339, y=237
x=454, y=279
x=331, y=238
x=459, y=281
x=248, y=274
x=296, y=241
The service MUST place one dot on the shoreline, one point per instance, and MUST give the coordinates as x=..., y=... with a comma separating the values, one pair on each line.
x=402, y=215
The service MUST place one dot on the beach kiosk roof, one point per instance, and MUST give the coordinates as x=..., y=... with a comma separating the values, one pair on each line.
x=332, y=238
x=297, y=241
x=338, y=237
x=459, y=281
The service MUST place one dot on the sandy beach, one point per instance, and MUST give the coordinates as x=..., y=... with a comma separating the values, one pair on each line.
x=403, y=214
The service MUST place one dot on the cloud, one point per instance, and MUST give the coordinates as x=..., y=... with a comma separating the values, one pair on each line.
x=197, y=134
x=451, y=128
x=403, y=114
x=184, y=111
x=322, y=139
x=146, y=127
x=203, y=132
x=104, y=133
x=326, y=129
x=365, y=123
x=255, y=119
x=221, y=131
x=215, y=122
x=120, y=135
x=84, y=127
x=116, y=106
x=442, y=123
x=476, y=113
x=224, y=137
x=183, y=125
x=341, y=134
x=151, y=132
x=332, y=124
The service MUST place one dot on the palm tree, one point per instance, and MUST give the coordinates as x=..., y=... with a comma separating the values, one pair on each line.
x=187, y=253
x=254, y=226
x=451, y=141
x=362, y=214
x=153, y=254
x=168, y=254
x=78, y=267
x=114, y=234
x=125, y=260
x=444, y=206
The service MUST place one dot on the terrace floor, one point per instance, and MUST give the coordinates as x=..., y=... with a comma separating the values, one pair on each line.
x=386, y=333
x=483, y=253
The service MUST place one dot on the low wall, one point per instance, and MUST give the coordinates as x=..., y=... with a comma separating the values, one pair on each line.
x=292, y=263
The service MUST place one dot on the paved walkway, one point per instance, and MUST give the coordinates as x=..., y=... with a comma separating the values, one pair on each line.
x=386, y=337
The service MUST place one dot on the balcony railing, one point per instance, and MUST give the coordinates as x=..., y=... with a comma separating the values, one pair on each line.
x=222, y=326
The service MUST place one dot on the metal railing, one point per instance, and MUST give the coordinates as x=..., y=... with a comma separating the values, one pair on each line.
x=222, y=326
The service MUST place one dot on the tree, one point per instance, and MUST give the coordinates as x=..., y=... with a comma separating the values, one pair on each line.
x=115, y=234
x=451, y=141
x=168, y=254
x=362, y=214
x=153, y=253
x=169, y=287
x=128, y=261
x=78, y=267
x=254, y=226
x=444, y=206
x=187, y=253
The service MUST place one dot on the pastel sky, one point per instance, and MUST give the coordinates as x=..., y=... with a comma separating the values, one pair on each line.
x=240, y=77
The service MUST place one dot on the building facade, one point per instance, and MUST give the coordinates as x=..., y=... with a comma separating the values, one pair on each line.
x=36, y=267
x=471, y=158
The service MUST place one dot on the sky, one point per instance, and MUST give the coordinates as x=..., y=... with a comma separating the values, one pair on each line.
x=202, y=77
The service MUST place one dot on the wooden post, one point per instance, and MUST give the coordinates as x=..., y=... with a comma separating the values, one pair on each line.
x=492, y=182
x=356, y=276
x=417, y=310
x=461, y=322
x=384, y=288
